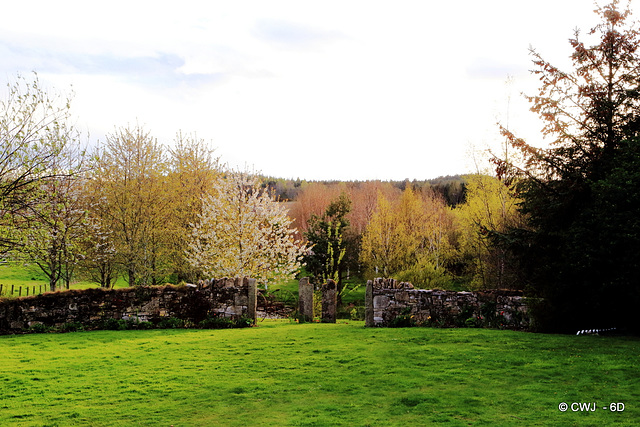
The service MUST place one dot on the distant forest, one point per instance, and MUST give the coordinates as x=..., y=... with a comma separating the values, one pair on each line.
x=451, y=188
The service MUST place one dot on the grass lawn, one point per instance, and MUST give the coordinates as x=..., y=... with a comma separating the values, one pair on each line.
x=288, y=374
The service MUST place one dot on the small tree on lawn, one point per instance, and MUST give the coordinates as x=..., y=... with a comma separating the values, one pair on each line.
x=326, y=234
x=244, y=232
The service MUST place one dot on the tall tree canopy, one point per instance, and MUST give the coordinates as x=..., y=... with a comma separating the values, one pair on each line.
x=34, y=134
x=128, y=196
x=579, y=195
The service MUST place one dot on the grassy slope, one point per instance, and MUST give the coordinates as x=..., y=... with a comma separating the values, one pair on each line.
x=354, y=293
x=283, y=373
x=18, y=274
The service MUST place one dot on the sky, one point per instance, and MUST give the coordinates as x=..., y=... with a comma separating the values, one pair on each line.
x=317, y=90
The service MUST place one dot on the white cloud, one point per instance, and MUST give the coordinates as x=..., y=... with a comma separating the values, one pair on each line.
x=327, y=89
x=292, y=35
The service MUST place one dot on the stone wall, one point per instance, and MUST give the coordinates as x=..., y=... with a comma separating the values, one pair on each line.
x=389, y=302
x=218, y=297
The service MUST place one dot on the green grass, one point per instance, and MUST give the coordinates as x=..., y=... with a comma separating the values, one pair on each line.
x=354, y=292
x=21, y=274
x=25, y=275
x=285, y=374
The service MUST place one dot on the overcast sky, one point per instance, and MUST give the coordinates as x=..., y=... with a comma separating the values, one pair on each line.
x=310, y=89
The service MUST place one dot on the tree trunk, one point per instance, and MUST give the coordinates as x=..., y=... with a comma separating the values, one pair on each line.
x=132, y=277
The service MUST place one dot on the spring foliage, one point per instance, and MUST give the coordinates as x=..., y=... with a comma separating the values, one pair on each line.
x=415, y=230
x=244, y=232
x=34, y=134
x=490, y=209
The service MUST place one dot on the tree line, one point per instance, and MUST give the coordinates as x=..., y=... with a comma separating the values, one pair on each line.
x=131, y=206
x=450, y=187
x=373, y=228
x=150, y=213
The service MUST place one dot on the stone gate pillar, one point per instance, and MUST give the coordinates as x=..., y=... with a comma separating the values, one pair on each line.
x=368, y=305
x=329, y=302
x=305, y=300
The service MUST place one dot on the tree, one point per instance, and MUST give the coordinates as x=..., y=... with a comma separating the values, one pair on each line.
x=568, y=250
x=383, y=242
x=438, y=244
x=129, y=194
x=490, y=208
x=313, y=199
x=326, y=237
x=411, y=239
x=390, y=241
x=193, y=172
x=33, y=133
x=100, y=257
x=244, y=232
x=57, y=220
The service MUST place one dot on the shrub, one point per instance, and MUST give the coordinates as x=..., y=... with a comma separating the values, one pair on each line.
x=403, y=320
x=351, y=312
x=357, y=313
x=425, y=275
x=217, y=322
x=144, y=325
x=244, y=322
x=466, y=313
x=110, y=324
x=71, y=327
x=473, y=322
x=171, y=323
x=295, y=316
x=39, y=328
x=116, y=324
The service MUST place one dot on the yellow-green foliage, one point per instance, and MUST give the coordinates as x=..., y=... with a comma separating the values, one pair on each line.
x=490, y=207
x=416, y=229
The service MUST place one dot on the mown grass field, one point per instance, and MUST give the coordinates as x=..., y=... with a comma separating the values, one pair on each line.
x=288, y=374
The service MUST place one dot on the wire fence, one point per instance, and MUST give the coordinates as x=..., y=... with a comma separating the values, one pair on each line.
x=21, y=290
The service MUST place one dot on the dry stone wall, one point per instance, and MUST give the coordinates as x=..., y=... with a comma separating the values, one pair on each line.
x=389, y=302
x=216, y=297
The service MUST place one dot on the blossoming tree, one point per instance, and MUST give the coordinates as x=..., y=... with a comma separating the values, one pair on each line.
x=244, y=232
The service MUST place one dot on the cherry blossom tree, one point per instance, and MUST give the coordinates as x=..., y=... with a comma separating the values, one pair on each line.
x=244, y=232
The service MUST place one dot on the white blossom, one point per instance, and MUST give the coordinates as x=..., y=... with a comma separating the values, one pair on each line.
x=244, y=232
